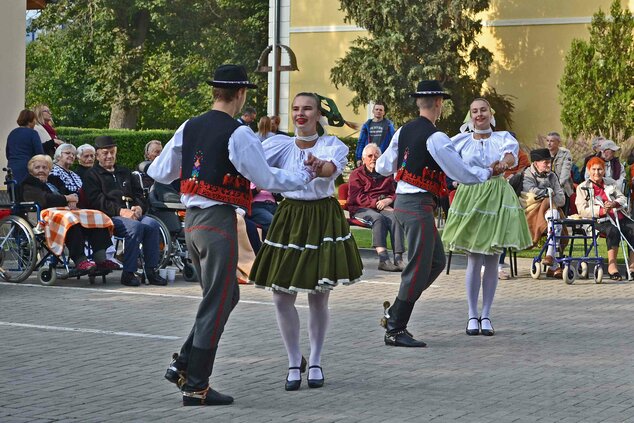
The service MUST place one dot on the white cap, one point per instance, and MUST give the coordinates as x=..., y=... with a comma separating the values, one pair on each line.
x=609, y=145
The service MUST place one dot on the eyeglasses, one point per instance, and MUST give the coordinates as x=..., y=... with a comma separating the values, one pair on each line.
x=46, y=111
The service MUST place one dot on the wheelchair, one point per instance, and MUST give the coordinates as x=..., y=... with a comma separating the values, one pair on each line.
x=166, y=208
x=573, y=267
x=23, y=246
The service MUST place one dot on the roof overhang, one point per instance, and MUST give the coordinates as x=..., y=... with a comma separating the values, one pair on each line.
x=36, y=4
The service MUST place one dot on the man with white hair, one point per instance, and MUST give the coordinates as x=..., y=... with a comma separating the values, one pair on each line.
x=561, y=164
x=370, y=198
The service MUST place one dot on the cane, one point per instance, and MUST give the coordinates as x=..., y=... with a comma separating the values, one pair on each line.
x=616, y=223
x=551, y=219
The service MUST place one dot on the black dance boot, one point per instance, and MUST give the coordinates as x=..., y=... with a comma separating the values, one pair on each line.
x=176, y=372
x=395, y=323
x=196, y=390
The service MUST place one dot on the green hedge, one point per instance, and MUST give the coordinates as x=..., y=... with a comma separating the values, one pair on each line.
x=131, y=143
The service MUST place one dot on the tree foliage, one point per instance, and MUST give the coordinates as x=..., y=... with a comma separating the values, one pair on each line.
x=434, y=39
x=140, y=63
x=596, y=91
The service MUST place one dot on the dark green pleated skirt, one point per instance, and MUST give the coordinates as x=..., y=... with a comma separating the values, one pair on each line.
x=308, y=248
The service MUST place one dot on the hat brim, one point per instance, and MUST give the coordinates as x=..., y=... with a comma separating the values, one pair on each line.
x=227, y=84
x=104, y=146
x=431, y=94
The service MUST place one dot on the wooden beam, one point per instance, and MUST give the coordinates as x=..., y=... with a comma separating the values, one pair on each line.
x=35, y=4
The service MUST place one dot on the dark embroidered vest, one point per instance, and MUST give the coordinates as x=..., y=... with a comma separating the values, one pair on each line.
x=418, y=167
x=206, y=169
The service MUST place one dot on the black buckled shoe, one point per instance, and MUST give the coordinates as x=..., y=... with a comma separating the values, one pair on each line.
x=473, y=332
x=316, y=383
x=174, y=374
x=293, y=385
x=206, y=397
x=154, y=278
x=403, y=338
x=395, y=320
x=129, y=279
x=486, y=332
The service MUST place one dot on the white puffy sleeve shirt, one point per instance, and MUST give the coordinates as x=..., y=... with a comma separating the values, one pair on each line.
x=245, y=153
x=482, y=153
x=442, y=150
x=282, y=152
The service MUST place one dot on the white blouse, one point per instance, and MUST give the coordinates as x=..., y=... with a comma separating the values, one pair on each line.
x=245, y=153
x=282, y=152
x=485, y=151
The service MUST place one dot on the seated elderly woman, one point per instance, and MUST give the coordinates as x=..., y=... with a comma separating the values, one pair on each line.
x=64, y=179
x=73, y=226
x=85, y=159
x=538, y=179
x=600, y=197
x=370, y=196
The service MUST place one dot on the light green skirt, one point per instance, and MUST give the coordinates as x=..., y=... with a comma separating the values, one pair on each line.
x=308, y=248
x=486, y=218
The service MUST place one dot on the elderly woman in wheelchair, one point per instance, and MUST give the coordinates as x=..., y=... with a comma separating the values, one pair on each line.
x=64, y=224
x=599, y=197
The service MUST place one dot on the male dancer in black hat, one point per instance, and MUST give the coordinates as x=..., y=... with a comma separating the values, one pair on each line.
x=422, y=157
x=218, y=158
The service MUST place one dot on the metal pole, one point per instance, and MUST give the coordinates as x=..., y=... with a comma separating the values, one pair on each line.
x=276, y=58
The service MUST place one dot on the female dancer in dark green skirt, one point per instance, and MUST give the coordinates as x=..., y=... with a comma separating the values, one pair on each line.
x=308, y=247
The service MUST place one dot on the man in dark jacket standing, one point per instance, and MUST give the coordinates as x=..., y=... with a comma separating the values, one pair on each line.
x=113, y=190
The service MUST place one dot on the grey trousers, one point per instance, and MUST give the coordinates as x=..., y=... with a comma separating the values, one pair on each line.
x=415, y=213
x=383, y=223
x=212, y=244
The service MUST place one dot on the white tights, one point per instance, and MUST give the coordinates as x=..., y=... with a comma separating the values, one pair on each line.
x=288, y=322
x=489, y=282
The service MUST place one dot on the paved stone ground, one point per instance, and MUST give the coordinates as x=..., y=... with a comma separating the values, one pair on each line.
x=561, y=354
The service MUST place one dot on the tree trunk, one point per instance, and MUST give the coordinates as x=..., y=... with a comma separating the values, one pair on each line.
x=123, y=117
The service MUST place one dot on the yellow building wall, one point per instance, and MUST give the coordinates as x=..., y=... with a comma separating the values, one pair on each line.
x=527, y=38
x=314, y=72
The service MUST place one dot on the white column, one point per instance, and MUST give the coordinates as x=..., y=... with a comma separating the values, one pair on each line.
x=12, y=70
x=285, y=22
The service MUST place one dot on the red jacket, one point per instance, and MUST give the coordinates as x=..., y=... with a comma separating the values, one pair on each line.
x=364, y=191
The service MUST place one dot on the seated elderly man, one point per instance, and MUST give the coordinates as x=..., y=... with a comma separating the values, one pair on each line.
x=370, y=196
x=113, y=190
x=538, y=180
x=151, y=151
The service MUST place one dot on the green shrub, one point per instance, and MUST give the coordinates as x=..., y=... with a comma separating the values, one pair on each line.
x=130, y=144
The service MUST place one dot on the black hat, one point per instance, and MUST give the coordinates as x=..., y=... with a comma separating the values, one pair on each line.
x=540, y=154
x=104, y=141
x=430, y=88
x=231, y=76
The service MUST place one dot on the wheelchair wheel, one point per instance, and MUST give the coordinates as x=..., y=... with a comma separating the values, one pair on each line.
x=46, y=275
x=165, y=243
x=570, y=274
x=536, y=269
x=598, y=273
x=583, y=270
x=189, y=273
x=18, y=249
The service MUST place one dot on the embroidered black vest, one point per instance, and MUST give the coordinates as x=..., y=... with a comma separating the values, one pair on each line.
x=206, y=169
x=418, y=167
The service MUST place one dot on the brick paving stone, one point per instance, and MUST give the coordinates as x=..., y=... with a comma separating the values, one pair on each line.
x=561, y=354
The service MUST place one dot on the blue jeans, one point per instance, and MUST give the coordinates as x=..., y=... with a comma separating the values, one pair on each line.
x=262, y=214
x=136, y=232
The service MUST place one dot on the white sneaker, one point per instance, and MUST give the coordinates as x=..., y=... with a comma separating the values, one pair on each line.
x=502, y=275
